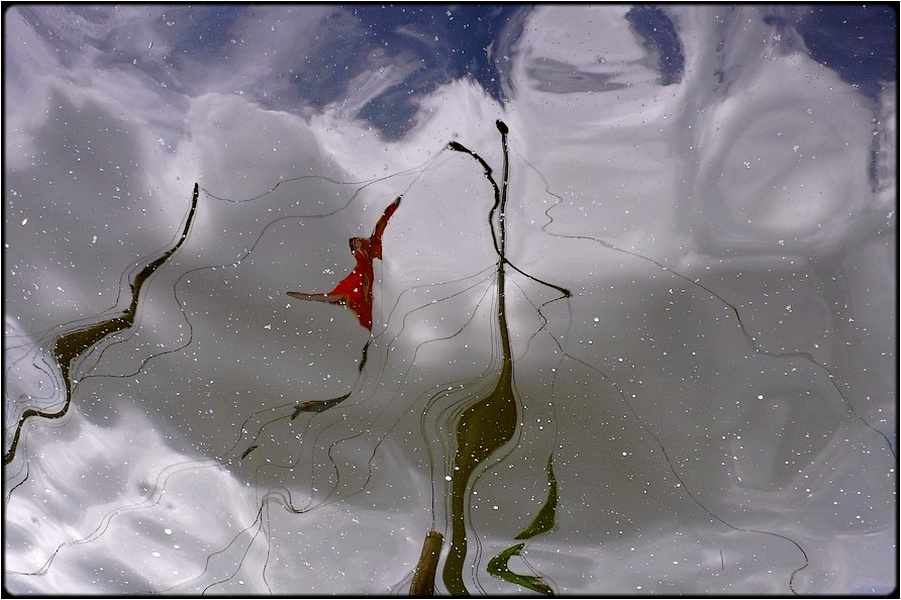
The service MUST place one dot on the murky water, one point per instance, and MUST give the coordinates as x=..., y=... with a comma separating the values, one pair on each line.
x=631, y=328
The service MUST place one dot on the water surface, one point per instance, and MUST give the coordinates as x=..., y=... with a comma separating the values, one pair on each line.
x=633, y=321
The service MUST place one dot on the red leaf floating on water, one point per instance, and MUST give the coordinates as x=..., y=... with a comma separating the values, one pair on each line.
x=376, y=240
x=355, y=290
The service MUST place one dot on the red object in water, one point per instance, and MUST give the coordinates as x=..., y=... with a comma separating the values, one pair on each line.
x=355, y=290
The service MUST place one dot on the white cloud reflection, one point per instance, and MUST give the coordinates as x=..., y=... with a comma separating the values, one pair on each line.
x=695, y=453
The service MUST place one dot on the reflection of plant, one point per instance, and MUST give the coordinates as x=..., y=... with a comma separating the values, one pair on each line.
x=75, y=343
x=544, y=521
x=547, y=517
x=497, y=566
x=490, y=422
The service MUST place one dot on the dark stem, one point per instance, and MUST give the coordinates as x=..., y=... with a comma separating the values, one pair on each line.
x=490, y=421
